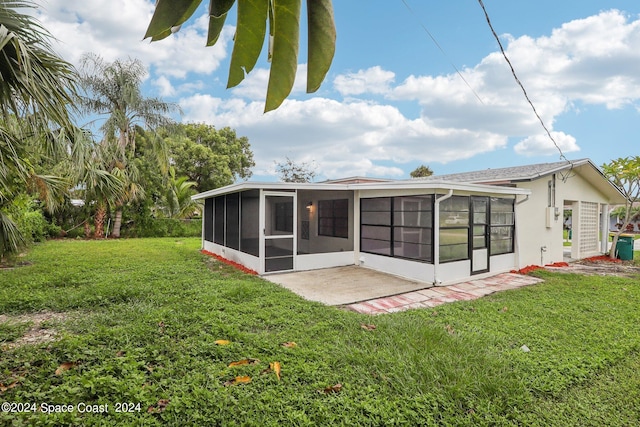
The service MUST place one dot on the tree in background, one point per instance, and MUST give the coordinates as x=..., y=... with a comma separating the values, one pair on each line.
x=291, y=171
x=421, y=171
x=210, y=157
x=624, y=172
x=250, y=35
x=36, y=89
x=112, y=91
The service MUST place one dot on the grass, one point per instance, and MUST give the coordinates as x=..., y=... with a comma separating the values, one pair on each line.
x=145, y=314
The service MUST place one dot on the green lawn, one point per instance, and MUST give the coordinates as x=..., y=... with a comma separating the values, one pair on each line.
x=144, y=315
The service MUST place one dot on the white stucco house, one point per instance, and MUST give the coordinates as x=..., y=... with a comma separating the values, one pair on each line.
x=438, y=230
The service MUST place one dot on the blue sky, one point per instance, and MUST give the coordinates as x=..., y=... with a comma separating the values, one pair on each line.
x=392, y=99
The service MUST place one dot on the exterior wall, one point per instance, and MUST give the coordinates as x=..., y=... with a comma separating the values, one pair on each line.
x=413, y=270
x=327, y=260
x=245, y=259
x=537, y=244
x=539, y=238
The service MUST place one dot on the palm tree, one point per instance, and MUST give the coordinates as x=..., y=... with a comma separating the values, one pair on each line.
x=88, y=164
x=178, y=197
x=36, y=88
x=112, y=90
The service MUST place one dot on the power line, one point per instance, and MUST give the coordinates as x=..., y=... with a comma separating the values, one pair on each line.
x=513, y=71
x=426, y=30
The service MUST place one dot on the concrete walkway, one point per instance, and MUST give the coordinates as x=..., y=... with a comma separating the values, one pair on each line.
x=435, y=296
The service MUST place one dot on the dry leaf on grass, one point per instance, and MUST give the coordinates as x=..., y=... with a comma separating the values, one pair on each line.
x=289, y=344
x=244, y=362
x=244, y=379
x=367, y=327
x=222, y=342
x=4, y=388
x=65, y=367
x=450, y=329
x=158, y=407
x=332, y=389
x=273, y=367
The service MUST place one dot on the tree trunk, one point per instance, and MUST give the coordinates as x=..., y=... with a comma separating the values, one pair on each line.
x=101, y=214
x=87, y=229
x=117, y=223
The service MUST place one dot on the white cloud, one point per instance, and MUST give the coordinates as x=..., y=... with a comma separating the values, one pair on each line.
x=372, y=80
x=165, y=86
x=594, y=60
x=114, y=29
x=354, y=138
x=541, y=145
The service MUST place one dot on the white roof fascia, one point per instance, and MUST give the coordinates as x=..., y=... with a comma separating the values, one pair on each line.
x=441, y=185
x=283, y=186
x=392, y=185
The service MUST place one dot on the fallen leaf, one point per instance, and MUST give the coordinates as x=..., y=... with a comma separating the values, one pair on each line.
x=275, y=366
x=289, y=344
x=244, y=362
x=368, y=327
x=120, y=353
x=4, y=388
x=333, y=389
x=222, y=342
x=238, y=380
x=434, y=313
x=450, y=329
x=65, y=367
x=504, y=309
x=158, y=407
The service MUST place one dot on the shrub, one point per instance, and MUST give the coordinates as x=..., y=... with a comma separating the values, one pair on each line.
x=28, y=216
x=163, y=227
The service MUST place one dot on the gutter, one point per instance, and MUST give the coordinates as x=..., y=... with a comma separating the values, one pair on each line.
x=436, y=236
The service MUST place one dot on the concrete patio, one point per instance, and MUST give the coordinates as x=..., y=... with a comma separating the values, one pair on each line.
x=344, y=285
x=372, y=292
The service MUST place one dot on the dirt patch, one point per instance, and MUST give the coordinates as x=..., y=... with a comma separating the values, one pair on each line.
x=600, y=266
x=40, y=331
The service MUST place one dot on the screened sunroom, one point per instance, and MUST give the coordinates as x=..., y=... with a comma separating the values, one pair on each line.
x=426, y=231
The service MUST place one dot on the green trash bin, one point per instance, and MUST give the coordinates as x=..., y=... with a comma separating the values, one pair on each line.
x=624, y=247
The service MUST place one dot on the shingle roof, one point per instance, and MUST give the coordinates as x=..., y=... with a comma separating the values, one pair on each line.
x=511, y=174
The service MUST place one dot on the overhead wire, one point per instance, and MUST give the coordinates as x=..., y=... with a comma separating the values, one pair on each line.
x=433, y=39
x=515, y=76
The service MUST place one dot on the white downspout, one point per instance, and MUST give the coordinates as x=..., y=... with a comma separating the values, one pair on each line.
x=436, y=236
x=516, y=237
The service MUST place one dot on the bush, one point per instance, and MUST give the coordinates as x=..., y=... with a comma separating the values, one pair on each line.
x=30, y=220
x=163, y=227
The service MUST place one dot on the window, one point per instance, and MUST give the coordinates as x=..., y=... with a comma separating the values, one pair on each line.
x=333, y=218
x=249, y=221
x=232, y=230
x=502, y=226
x=208, y=220
x=454, y=228
x=400, y=227
x=218, y=223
